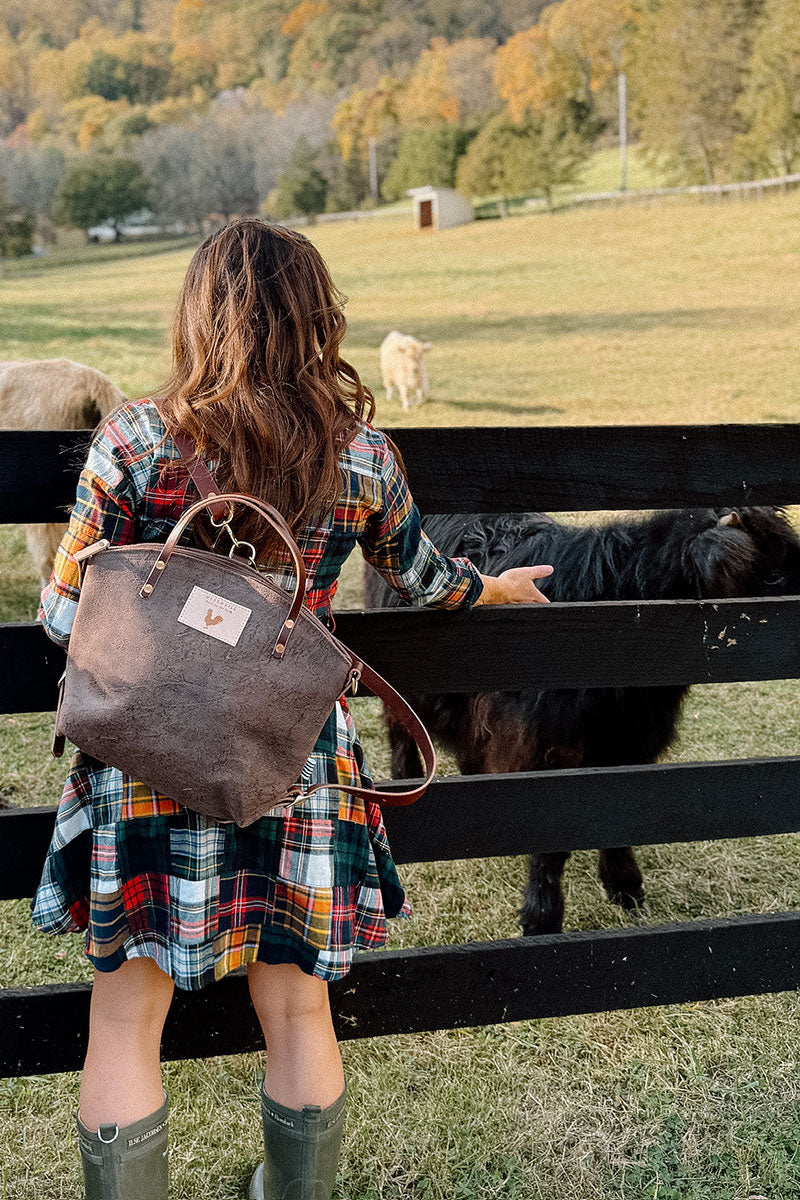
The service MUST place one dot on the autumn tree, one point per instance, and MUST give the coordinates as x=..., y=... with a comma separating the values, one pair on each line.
x=572, y=54
x=321, y=56
x=219, y=43
x=770, y=103
x=592, y=36
x=366, y=113
x=689, y=59
x=451, y=82
x=393, y=46
x=532, y=74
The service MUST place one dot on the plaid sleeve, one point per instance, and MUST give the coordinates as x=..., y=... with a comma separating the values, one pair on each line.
x=394, y=543
x=104, y=508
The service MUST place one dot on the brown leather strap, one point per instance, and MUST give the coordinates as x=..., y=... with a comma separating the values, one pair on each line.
x=201, y=476
x=405, y=715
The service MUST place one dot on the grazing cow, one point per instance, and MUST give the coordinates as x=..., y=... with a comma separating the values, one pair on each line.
x=669, y=556
x=52, y=393
x=403, y=367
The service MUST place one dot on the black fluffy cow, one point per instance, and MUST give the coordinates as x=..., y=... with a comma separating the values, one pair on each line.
x=672, y=555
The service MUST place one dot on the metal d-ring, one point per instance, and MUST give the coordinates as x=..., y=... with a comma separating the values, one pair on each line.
x=251, y=550
x=225, y=520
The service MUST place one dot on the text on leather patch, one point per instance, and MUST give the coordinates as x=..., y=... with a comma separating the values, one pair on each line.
x=212, y=614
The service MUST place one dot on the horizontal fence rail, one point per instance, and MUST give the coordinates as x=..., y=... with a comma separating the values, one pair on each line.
x=647, y=643
x=43, y=1029
x=483, y=816
x=472, y=469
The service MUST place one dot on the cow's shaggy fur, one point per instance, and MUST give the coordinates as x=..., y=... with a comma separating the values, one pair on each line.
x=52, y=393
x=673, y=555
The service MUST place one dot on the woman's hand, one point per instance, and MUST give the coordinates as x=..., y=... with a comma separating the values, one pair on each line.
x=515, y=586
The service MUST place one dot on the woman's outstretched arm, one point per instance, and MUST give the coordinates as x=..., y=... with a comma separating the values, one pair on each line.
x=394, y=542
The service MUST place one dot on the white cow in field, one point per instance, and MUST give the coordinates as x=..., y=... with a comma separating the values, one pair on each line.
x=403, y=367
x=52, y=393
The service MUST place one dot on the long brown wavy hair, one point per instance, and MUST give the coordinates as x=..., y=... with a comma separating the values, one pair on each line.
x=258, y=380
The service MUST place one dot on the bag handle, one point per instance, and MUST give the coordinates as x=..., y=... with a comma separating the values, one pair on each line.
x=277, y=522
x=402, y=712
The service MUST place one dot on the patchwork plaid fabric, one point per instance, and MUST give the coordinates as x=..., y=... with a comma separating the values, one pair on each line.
x=144, y=876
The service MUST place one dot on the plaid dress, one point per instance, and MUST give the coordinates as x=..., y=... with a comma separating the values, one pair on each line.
x=147, y=878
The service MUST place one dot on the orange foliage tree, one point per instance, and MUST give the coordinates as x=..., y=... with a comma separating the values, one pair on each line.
x=452, y=81
x=303, y=15
x=573, y=51
x=366, y=113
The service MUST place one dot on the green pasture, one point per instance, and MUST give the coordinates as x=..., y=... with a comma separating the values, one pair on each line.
x=681, y=313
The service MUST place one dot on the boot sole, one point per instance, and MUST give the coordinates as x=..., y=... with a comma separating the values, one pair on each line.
x=256, y=1191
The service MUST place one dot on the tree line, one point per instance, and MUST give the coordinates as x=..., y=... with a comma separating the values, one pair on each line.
x=196, y=106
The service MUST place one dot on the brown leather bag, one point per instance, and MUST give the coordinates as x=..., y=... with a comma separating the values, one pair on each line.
x=194, y=673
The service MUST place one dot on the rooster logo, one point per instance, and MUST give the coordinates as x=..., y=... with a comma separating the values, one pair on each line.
x=211, y=619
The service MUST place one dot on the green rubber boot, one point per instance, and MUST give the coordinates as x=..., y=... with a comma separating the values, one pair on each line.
x=301, y=1151
x=128, y=1163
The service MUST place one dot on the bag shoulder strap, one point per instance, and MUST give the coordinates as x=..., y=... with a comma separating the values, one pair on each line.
x=397, y=707
x=201, y=476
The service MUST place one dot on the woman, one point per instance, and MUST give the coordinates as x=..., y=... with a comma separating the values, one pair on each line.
x=165, y=895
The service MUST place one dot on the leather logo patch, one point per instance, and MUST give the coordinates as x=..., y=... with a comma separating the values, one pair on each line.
x=214, y=615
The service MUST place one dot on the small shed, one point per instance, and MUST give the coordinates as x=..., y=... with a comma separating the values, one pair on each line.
x=440, y=207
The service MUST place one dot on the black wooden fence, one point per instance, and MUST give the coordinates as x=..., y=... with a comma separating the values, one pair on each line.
x=42, y=1029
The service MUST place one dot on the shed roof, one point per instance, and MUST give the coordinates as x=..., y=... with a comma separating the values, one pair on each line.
x=429, y=192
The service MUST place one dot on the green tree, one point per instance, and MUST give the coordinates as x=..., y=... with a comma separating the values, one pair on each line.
x=426, y=156
x=16, y=229
x=770, y=103
x=102, y=188
x=689, y=59
x=347, y=178
x=302, y=189
x=141, y=79
x=536, y=155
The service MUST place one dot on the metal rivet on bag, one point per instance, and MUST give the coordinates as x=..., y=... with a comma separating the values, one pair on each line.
x=160, y=566
x=290, y=624
x=148, y=587
x=279, y=649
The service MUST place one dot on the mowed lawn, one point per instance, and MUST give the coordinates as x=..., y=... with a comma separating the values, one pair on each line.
x=678, y=313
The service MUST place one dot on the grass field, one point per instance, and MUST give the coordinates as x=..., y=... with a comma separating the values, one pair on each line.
x=686, y=313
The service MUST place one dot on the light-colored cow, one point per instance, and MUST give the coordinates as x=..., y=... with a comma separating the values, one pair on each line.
x=403, y=367
x=52, y=393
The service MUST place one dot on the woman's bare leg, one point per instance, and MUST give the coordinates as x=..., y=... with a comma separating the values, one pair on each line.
x=303, y=1061
x=121, y=1080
